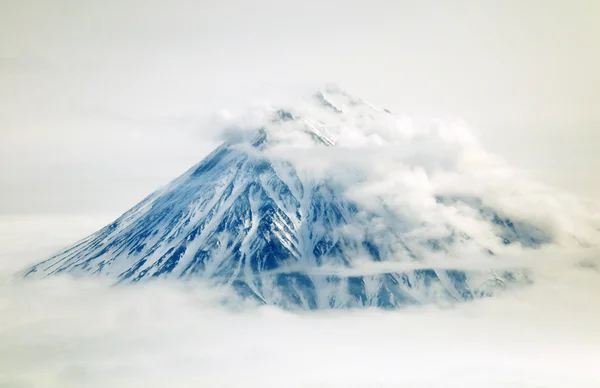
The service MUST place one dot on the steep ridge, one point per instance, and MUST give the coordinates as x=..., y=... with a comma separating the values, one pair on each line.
x=243, y=219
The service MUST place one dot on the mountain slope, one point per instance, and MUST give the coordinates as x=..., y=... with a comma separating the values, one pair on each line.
x=247, y=220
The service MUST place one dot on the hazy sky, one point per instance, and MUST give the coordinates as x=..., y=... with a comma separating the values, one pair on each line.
x=101, y=102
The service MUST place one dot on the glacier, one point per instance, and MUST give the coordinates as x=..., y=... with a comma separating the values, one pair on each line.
x=262, y=227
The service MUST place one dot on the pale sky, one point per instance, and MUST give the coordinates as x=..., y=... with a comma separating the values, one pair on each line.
x=102, y=102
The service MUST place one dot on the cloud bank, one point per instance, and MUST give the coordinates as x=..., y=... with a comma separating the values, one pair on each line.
x=81, y=333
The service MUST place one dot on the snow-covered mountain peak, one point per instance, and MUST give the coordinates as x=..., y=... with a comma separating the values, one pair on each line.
x=329, y=116
x=262, y=224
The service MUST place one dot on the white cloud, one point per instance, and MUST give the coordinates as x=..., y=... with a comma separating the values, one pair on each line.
x=386, y=164
x=82, y=333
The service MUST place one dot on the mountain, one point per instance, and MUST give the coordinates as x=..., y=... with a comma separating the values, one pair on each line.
x=257, y=223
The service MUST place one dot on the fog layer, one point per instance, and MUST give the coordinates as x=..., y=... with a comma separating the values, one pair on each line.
x=62, y=332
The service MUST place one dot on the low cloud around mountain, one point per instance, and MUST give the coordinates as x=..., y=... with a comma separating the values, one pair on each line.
x=74, y=333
